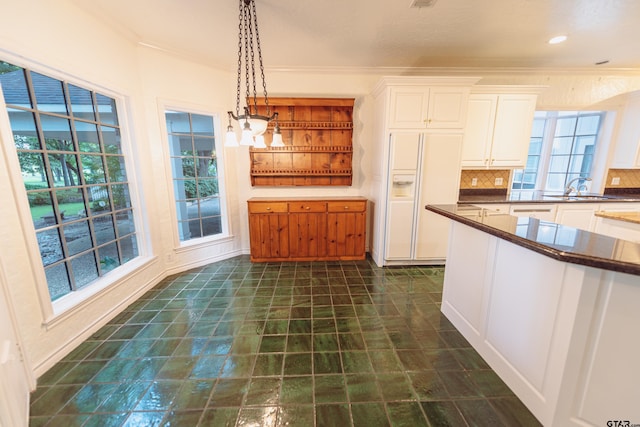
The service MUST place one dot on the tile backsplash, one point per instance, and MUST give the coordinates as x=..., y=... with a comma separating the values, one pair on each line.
x=484, y=179
x=628, y=178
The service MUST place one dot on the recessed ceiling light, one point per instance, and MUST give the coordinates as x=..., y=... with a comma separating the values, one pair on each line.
x=557, y=39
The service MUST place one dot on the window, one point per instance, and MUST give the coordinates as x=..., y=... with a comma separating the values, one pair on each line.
x=68, y=144
x=192, y=148
x=563, y=144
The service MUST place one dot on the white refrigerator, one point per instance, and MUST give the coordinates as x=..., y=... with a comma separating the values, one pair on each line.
x=424, y=168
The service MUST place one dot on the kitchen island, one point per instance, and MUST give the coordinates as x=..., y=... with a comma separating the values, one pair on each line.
x=552, y=309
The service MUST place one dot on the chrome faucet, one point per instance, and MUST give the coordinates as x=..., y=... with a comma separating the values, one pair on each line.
x=570, y=186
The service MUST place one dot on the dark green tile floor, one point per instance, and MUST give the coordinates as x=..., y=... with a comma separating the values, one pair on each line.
x=300, y=344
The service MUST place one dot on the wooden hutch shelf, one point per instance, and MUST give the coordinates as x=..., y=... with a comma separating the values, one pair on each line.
x=318, y=150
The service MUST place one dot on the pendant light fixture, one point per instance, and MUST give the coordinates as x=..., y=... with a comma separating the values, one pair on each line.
x=253, y=125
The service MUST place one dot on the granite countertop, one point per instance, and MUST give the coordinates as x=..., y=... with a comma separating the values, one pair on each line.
x=531, y=196
x=633, y=217
x=557, y=241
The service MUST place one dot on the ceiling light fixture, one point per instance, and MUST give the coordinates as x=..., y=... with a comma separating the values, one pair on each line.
x=253, y=124
x=557, y=39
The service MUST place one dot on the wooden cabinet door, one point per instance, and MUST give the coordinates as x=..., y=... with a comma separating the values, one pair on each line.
x=268, y=230
x=346, y=229
x=307, y=229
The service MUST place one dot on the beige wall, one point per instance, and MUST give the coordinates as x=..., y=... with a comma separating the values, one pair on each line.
x=68, y=44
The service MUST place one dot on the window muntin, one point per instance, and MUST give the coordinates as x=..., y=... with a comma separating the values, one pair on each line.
x=192, y=148
x=68, y=143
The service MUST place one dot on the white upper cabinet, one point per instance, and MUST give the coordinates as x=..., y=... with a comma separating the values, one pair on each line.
x=419, y=107
x=498, y=128
x=627, y=146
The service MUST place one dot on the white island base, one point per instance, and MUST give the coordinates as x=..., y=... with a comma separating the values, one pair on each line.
x=564, y=337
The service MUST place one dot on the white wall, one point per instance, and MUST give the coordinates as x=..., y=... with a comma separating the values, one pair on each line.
x=67, y=43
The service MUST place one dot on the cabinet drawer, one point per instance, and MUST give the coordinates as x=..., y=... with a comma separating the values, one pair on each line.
x=347, y=206
x=307, y=207
x=267, y=207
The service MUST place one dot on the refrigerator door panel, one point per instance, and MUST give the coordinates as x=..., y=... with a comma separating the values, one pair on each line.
x=440, y=177
x=399, y=231
x=405, y=148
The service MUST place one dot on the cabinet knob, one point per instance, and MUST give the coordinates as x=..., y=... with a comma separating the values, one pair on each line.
x=346, y=207
x=268, y=208
x=307, y=208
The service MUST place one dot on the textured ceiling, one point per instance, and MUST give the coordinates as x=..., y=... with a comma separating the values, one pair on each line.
x=389, y=33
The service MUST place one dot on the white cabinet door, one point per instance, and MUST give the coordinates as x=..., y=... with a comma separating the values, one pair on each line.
x=626, y=149
x=578, y=215
x=419, y=107
x=409, y=107
x=447, y=107
x=512, y=130
x=498, y=130
x=478, y=133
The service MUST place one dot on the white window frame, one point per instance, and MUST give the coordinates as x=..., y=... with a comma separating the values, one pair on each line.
x=55, y=312
x=216, y=113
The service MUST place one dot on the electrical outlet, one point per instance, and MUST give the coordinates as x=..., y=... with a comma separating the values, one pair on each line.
x=498, y=182
x=474, y=182
x=615, y=180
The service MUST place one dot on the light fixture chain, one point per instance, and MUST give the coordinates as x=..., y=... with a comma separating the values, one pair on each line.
x=264, y=83
x=247, y=23
x=253, y=64
x=239, y=58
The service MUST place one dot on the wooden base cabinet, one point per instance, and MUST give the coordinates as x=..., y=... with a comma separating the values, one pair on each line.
x=307, y=229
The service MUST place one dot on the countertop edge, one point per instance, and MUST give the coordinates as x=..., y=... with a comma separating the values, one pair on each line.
x=564, y=256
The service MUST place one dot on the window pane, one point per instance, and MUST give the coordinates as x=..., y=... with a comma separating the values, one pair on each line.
x=177, y=122
x=77, y=237
x=99, y=199
x=107, y=110
x=50, y=246
x=565, y=126
x=537, y=131
x=33, y=170
x=49, y=94
x=111, y=140
x=87, y=134
x=104, y=229
x=57, y=281
x=559, y=164
x=124, y=222
x=81, y=103
x=202, y=125
x=116, y=168
x=188, y=169
x=129, y=247
x=57, y=133
x=41, y=207
x=203, y=146
x=93, y=169
x=64, y=168
x=562, y=146
x=84, y=269
x=108, y=257
x=25, y=135
x=211, y=225
x=588, y=125
x=70, y=202
x=121, y=197
x=14, y=85
x=207, y=187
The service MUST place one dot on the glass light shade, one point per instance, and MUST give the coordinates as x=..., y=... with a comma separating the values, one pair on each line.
x=258, y=126
x=247, y=137
x=231, y=140
x=277, y=140
x=259, y=142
